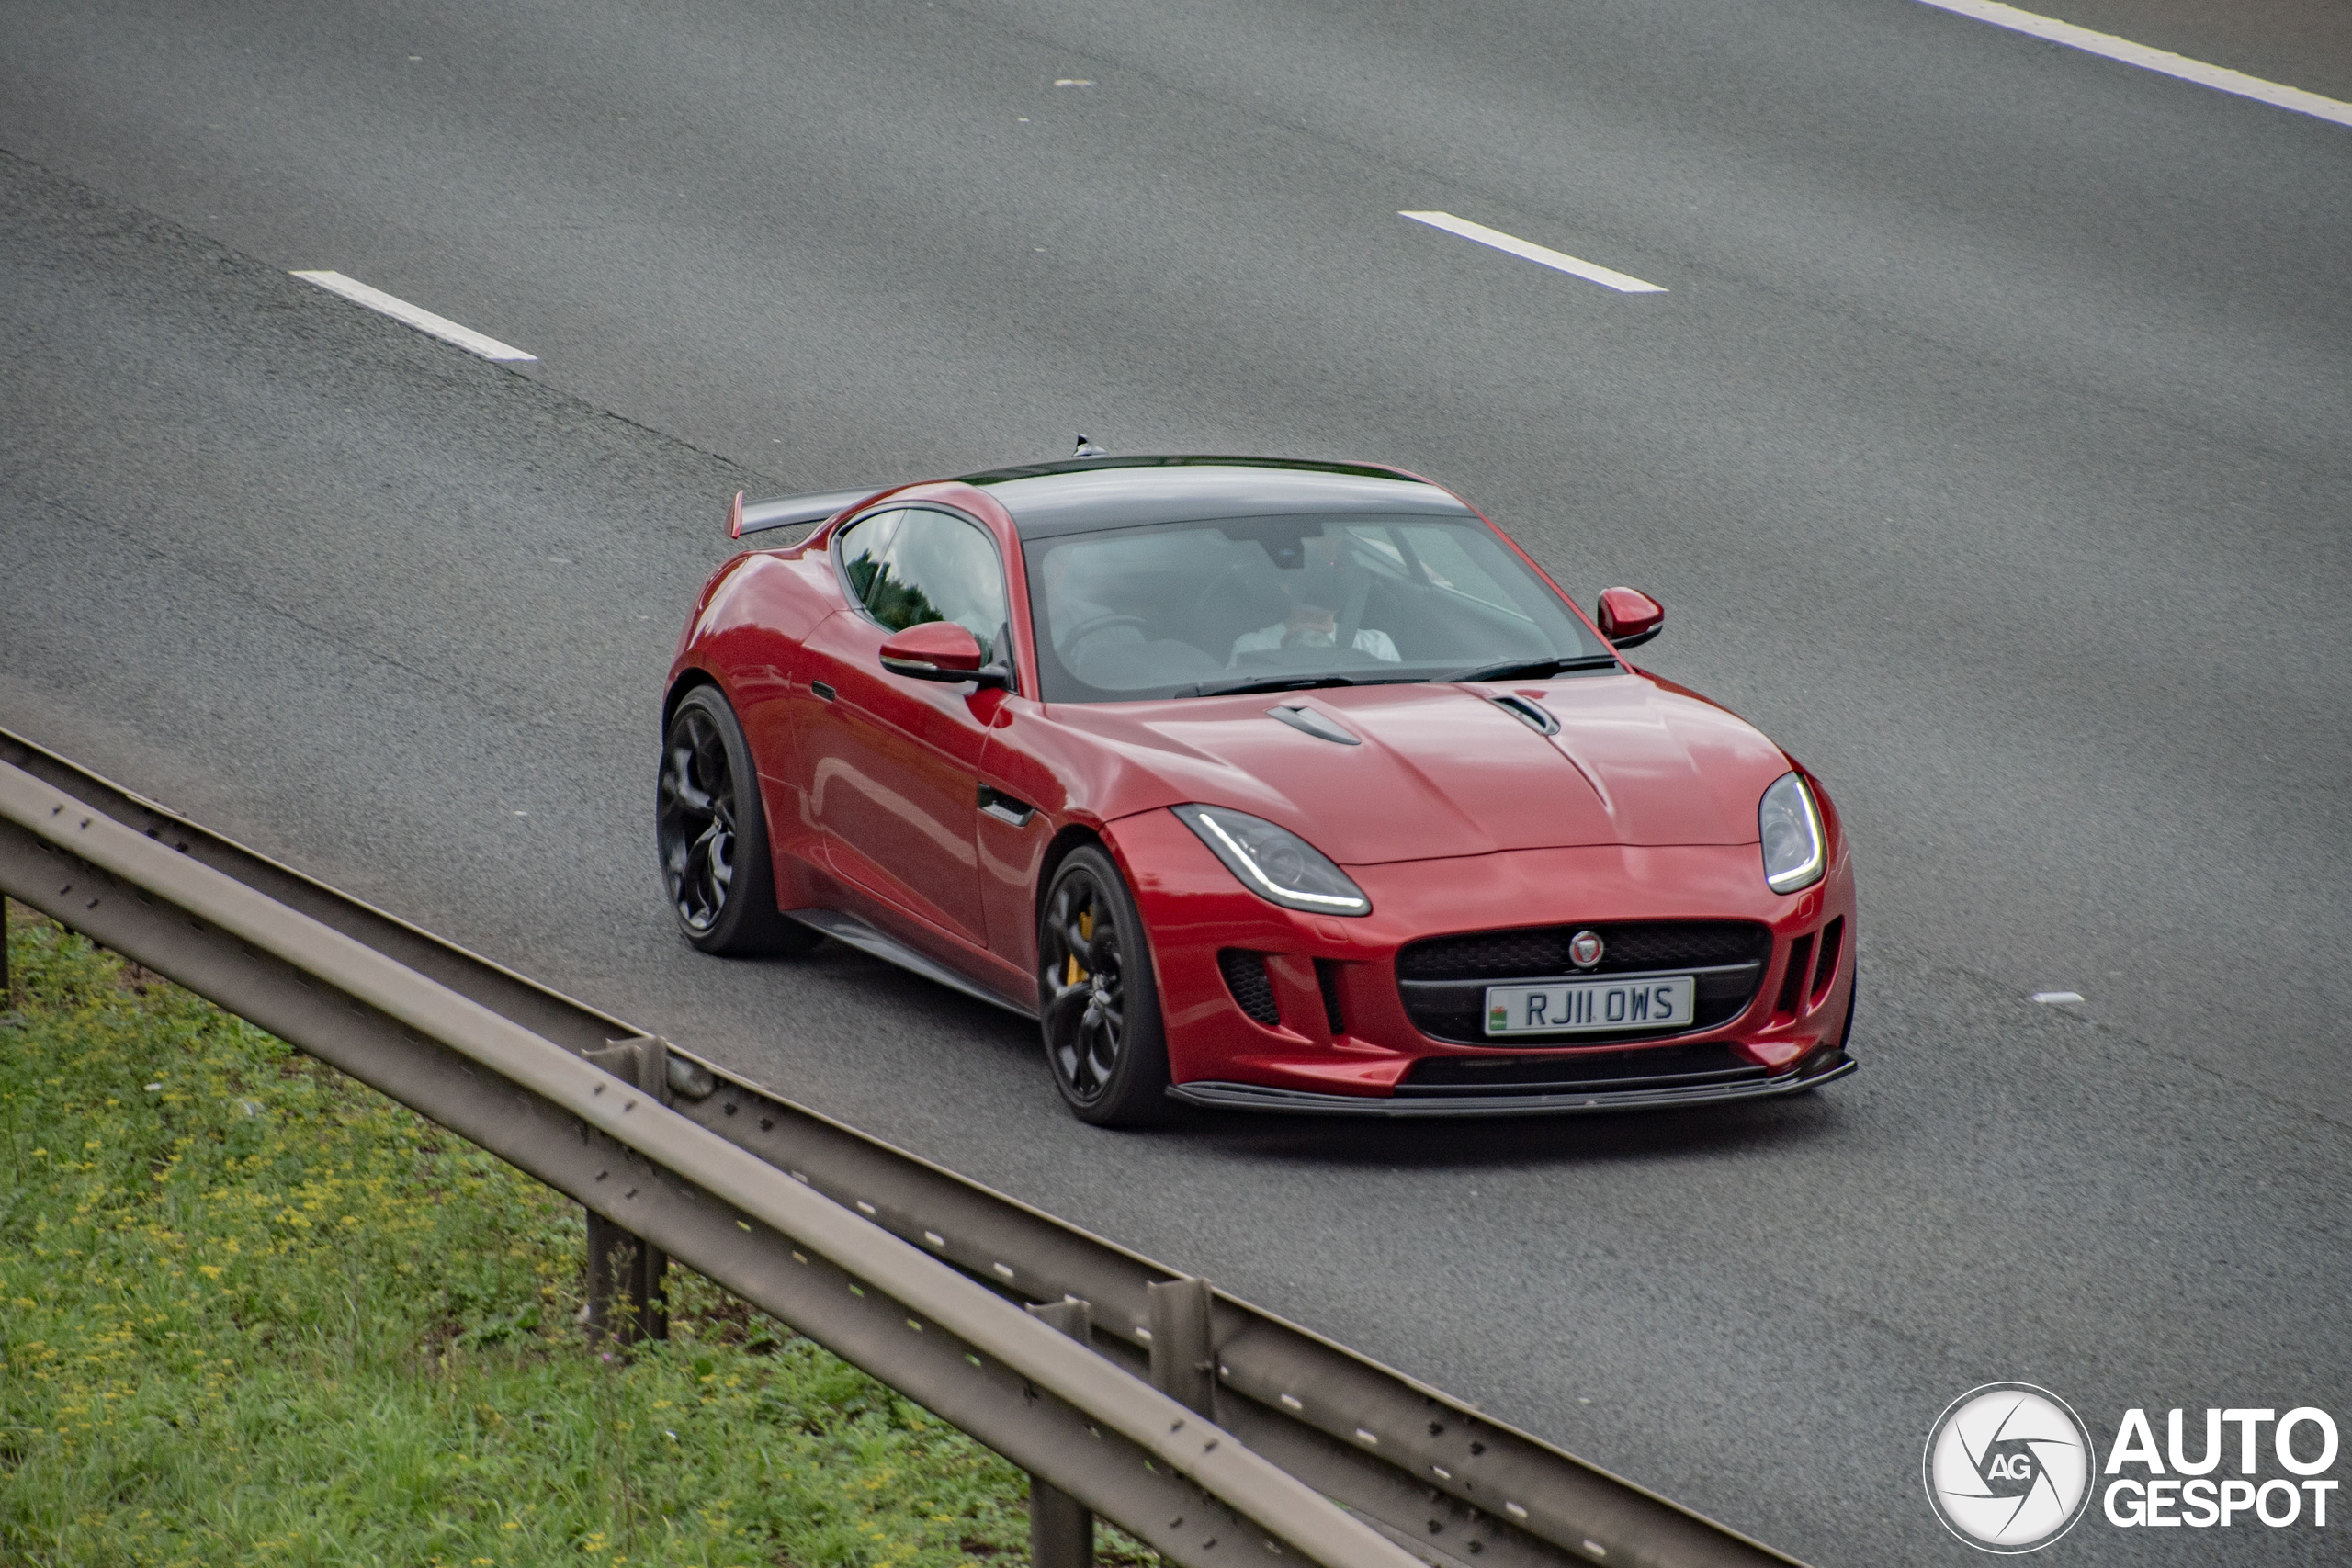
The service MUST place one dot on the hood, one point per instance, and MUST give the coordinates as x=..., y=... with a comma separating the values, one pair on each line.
x=1442, y=771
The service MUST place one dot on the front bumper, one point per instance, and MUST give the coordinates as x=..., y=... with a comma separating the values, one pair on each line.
x=1337, y=1025
x=1827, y=1067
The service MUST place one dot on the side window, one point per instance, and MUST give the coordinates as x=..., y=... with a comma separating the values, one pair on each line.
x=865, y=546
x=913, y=566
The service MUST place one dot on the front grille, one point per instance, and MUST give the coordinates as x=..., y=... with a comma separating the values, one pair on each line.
x=1564, y=1074
x=1252, y=987
x=1443, y=979
x=1627, y=947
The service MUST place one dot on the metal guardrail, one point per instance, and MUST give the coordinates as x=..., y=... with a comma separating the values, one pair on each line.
x=1248, y=1429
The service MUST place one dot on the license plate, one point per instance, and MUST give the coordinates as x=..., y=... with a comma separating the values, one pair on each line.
x=1654, y=1001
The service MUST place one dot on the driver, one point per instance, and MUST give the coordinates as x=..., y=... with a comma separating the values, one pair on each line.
x=1313, y=621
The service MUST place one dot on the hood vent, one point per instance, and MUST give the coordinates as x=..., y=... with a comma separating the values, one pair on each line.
x=1322, y=726
x=1528, y=713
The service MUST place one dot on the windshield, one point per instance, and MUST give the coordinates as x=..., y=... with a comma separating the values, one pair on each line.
x=1188, y=609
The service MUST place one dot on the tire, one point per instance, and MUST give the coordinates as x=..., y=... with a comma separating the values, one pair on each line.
x=713, y=836
x=1098, y=998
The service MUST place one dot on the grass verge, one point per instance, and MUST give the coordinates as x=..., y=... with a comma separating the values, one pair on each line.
x=253, y=1312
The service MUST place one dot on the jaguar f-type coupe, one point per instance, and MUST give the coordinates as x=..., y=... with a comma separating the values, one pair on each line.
x=1258, y=784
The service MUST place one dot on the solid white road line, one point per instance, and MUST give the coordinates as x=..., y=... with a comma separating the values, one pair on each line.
x=422, y=320
x=1534, y=253
x=2148, y=59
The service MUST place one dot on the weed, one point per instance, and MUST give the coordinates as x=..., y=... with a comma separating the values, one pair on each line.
x=253, y=1312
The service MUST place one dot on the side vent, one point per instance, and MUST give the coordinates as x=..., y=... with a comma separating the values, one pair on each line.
x=1825, y=969
x=1252, y=987
x=1793, y=982
x=1326, y=977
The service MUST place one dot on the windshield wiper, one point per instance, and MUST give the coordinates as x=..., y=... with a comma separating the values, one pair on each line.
x=1275, y=683
x=1528, y=668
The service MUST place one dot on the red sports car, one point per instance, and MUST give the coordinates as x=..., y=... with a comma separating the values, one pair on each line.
x=1261, y=784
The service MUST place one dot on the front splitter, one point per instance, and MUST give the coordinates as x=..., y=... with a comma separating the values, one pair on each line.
x=1216, y=1096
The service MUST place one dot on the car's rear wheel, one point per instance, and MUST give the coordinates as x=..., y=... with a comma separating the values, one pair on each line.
x=1098, y=1002
x=713, y=835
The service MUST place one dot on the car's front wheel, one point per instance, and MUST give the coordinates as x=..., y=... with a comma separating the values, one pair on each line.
x=713, y=835
x=1098, y=1004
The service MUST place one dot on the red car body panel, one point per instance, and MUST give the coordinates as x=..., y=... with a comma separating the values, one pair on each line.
x=1443, y=772
x=1452, y=816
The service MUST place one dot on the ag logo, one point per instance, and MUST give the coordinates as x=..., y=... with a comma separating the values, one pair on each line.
x=2008, y=1467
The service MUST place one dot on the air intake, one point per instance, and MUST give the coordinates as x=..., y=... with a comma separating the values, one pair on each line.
x=1252, y=987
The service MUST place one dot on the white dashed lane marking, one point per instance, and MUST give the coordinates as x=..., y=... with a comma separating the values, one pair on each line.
x=2054, y=998
x=2217, y=77
x=423, y=320
x=1527, y=250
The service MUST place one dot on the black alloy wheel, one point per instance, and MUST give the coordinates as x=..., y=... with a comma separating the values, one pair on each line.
x=713, y=835
x=1099, y=1006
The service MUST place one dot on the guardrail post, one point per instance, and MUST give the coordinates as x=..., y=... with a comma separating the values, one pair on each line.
x=627, y=1300
x=4, y=954
x=1183, y=1359
x=1061, y=1531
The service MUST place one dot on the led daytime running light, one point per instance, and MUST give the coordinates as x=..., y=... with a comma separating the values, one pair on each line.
x=1272, y=888
x=1808, y=871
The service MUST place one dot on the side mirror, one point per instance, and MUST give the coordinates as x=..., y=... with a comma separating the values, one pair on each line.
x=940, y=651
x=1628, y=617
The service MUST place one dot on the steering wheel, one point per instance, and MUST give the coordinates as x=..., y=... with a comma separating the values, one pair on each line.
x=1085, y=629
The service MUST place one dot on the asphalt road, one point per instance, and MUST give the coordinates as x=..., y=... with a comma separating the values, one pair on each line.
x=2297, y=43
x=1988, y=448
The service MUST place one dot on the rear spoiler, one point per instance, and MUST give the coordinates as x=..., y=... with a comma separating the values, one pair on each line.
x=787, y=511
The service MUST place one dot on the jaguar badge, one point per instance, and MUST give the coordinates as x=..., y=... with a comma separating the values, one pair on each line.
x=1585, y=949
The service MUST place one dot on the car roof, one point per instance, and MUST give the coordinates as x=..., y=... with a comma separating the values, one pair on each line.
x=1089, y=493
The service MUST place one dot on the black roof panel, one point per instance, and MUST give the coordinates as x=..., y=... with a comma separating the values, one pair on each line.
x=1088, y=493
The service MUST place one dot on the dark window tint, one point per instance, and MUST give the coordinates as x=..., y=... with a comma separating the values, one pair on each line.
x=910, y=566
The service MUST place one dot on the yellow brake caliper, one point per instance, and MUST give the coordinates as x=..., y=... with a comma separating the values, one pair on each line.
x=1085, y=929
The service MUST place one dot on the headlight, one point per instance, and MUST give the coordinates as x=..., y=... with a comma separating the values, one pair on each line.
x=1275, y=863
x=1790, y=825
